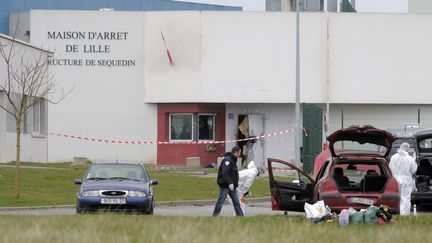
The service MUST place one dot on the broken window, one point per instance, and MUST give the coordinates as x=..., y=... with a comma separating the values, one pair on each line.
x=206, y=126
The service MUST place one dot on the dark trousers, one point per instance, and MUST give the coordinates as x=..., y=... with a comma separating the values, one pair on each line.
x=221, y=200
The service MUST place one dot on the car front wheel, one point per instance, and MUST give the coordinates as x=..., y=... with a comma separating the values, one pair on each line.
x=79, y=210
x=150, y=212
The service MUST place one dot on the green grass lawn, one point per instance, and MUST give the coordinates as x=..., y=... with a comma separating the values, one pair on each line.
x=40, y=186
x=108, y=228
x=56, y=187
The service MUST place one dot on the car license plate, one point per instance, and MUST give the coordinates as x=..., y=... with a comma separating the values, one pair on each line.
x=361, y=200
x=113, y=200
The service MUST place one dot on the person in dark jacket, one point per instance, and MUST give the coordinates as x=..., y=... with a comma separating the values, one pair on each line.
x=227, y=180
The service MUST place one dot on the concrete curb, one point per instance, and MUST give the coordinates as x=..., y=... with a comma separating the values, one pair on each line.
x=34, y=167
x=158, y=204
x=35, y=207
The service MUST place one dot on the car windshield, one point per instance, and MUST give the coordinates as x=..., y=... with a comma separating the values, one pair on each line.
x=116, y=172
x=404, y=132
x=361, y=148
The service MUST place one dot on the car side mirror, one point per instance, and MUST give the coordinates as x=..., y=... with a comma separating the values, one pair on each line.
x=154, y=182
x=78, y=181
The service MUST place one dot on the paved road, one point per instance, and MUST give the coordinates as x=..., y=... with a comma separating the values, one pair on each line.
x=199, y=209
x=204, y=208
x=258, y=208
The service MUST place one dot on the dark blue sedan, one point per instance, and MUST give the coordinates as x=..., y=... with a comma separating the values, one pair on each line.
x=117, y=187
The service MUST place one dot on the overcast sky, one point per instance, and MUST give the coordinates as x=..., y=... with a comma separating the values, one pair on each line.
x=377, y=6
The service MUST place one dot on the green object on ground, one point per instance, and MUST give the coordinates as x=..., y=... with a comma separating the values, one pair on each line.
x=356, y=218
x=371, y=215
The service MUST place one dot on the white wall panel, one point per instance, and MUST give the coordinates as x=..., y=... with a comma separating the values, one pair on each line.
x=233, y=57
x=420, y=6
x=380, y=58
x=380, y=116
x=166, y=82
x=106, y=102
x=250, y=57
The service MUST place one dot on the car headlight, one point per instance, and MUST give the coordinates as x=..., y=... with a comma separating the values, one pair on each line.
x=136, y=194
x=90, y=194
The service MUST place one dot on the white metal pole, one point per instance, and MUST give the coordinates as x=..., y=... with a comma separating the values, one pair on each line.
x=298, y=127
x=328, y=81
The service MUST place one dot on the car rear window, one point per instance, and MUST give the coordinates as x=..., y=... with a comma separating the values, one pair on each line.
x=425, y=144
x=365, y=147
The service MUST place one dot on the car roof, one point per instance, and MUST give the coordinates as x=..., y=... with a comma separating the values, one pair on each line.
x=423, y=133
x=115, y=163
x=404, y=132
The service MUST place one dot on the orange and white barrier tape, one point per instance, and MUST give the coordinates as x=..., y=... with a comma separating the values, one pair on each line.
x=172, y=142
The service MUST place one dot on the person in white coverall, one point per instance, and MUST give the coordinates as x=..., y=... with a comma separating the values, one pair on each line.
x=403, y=167
x=246, y=179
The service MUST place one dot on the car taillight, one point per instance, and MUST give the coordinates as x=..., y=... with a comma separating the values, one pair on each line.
x=275, y=204
x=328, y=185
x=392, y=185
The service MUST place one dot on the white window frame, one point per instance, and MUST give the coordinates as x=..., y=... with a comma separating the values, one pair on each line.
x=39, y=119
x=170, y=125
x=36, y=118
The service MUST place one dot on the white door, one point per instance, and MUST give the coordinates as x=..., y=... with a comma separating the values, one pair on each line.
x=257, y=149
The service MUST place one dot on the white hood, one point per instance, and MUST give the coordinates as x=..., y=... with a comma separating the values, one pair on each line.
x=402, y=152
x=251, y=165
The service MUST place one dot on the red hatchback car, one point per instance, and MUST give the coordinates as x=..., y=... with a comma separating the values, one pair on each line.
x=352, y=173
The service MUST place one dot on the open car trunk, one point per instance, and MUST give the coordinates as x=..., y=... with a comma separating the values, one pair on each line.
x=424, y=174
x=423, y=190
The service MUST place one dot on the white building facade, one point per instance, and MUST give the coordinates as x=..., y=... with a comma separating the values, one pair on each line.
x=370, y=69
x=34, y=142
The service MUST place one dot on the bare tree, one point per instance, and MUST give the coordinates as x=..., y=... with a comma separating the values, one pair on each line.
x=27, y=81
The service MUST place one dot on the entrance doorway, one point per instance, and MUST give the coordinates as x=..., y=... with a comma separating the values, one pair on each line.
x=249, y=126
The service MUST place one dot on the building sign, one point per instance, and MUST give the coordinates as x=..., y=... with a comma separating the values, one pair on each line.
x=95, y=43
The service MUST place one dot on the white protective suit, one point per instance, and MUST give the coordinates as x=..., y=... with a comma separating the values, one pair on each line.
x=246, y=179
x=403, y=167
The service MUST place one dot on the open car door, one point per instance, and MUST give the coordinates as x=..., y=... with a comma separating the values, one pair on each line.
x=289, y=192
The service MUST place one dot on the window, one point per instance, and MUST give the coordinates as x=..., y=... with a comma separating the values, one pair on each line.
x=206, y=126
x=425, y=144
x=181, y=127
x=34, y=120
x=191, y=126
x=39, y=117
x=11, y=122
x=36, y=117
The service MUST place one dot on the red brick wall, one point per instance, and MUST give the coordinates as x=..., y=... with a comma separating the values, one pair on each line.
x=175, y=154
